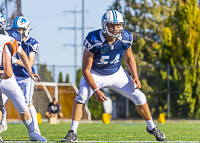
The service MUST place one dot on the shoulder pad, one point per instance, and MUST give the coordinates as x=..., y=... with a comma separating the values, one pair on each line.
x=127, y=39
x=127, y=36
x=91, y=40
x=32, y=41
x=15, y=34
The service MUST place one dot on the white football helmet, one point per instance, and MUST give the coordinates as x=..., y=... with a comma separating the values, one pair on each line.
x=2, y=19
x=21, y=22
x=112, y=17
x=2, y=29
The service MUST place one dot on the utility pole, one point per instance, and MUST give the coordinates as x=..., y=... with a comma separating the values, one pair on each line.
x=6, y=5
x=83, y=23
x=75, y=28
x=168, y=91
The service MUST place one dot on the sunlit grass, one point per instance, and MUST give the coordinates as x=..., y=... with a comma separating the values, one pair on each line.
x=103, y=132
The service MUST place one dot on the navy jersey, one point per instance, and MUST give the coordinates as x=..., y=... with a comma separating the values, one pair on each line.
x=28, y=45
x=107, y=57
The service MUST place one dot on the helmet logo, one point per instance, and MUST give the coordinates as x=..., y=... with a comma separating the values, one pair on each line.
x=23, y=20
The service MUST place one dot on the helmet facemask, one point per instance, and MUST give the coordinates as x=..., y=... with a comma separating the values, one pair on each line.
x=2, y=29
x=2, y=20
x=3, y=23
x=114, y=33
x=26, y=31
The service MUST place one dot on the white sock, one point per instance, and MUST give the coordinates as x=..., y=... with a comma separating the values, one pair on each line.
x=74, y=126
x=29, y=125
x=34, y=117
x=150, y=124
x=3, y=120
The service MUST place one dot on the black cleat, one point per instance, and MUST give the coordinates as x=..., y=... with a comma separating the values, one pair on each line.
x=157, y=133
x=70, y=137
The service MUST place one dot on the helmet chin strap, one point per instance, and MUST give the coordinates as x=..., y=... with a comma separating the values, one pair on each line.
x=23, y=35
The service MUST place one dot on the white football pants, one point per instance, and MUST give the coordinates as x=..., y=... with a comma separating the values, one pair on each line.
x=14, y=93
x=120, y=82
x=27, y=85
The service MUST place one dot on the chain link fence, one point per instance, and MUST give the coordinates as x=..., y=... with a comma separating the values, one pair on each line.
x=172, y=90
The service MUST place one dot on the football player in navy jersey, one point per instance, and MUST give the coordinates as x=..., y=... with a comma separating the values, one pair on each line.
x=31, y=47
x=104, y=49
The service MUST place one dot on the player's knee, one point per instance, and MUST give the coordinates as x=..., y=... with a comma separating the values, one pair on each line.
x=82, y=95
x=141, y=99
x=81, y=99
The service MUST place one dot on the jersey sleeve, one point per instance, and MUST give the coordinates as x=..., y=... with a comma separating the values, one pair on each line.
x=127, y=39
x=34, y=45
x=11, y=47
x=87, y=45
x=89, y=42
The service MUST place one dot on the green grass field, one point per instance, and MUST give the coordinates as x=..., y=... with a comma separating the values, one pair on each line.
x=103, y=132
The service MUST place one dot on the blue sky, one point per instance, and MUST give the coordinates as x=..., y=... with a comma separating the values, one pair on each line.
x=46, y=16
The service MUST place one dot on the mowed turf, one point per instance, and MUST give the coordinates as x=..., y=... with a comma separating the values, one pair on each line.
x=103, y=132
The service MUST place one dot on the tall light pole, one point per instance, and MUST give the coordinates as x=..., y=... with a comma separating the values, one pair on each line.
x=75, y=28
x=83, y=23
x=6, y=5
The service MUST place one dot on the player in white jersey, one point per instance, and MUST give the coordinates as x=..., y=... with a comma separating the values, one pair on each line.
x=101, y=68
x=2, y=23
x=31, y=47
x=17, y=36
x=8, y=85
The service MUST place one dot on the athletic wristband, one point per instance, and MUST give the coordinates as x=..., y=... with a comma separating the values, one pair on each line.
x=96, y=89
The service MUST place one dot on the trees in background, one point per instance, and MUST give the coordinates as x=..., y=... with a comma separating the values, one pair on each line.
x=60, y=78
x=78, y=77
x=166, y=32
x=67, y=79
x=45, y=75
x=181, y=49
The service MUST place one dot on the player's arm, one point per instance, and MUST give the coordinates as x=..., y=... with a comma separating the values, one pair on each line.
x=7, y=66
x=86, y=66
x=25, y=61
x=131, y=63
x=31, y=59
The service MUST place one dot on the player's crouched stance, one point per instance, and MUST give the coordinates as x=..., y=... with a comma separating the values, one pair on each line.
x=8, y=84
x=101, y=67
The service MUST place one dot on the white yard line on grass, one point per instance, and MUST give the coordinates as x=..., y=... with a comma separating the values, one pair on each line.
x=108, y=141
